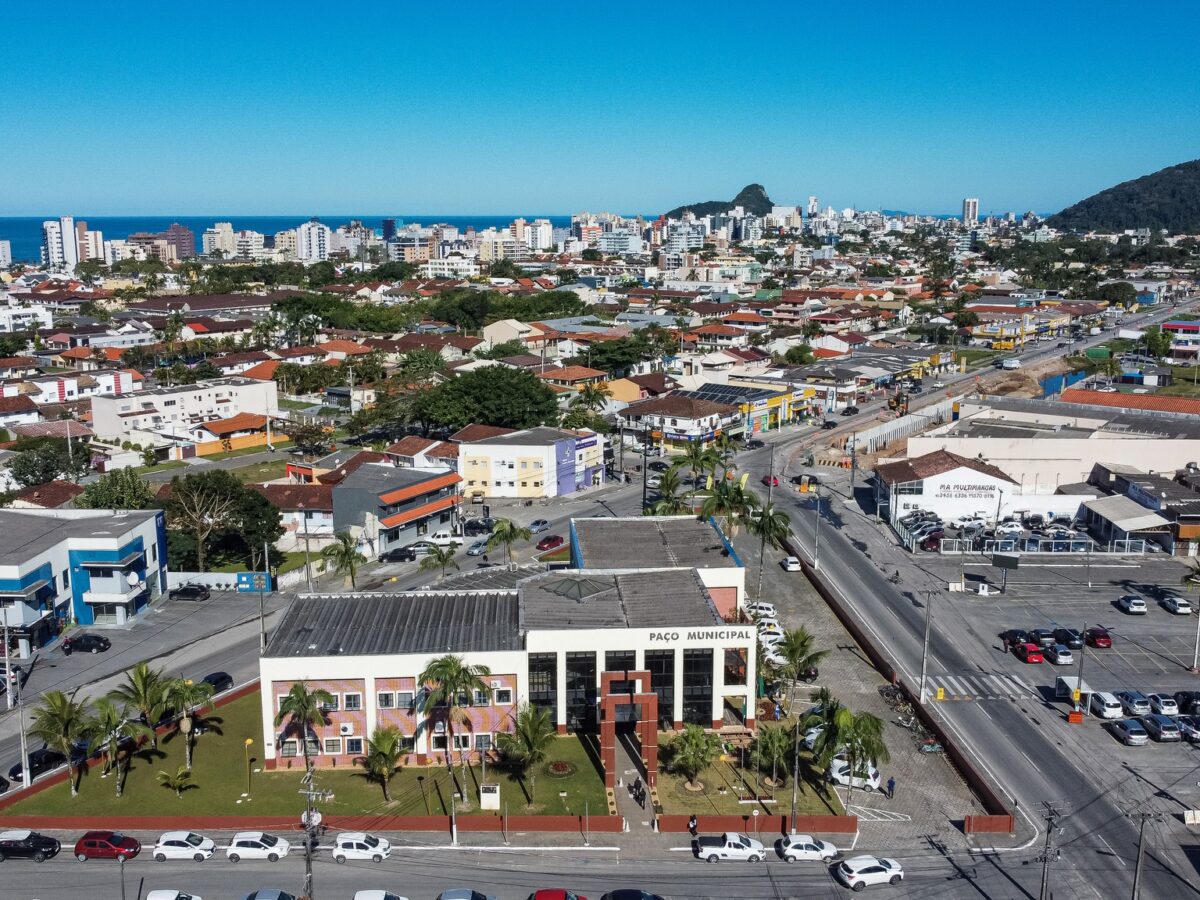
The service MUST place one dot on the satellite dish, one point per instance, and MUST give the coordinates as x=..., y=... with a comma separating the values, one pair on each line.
x=133, y=578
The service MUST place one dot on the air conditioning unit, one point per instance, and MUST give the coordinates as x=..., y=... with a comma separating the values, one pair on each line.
x=345, y=729
x=439, y=727
x=496, y=684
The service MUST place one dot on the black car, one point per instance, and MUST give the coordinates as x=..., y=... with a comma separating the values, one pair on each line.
x=630, y=894
x=4, y=785
x=829, y=424
x=755, y=445
x=86, y=643
x=400, y=554
x=659, y=466
x=1069, y=636
x=40, y=762
x=850, y=411
x=485, y=525
x=1016, y=636
x=1188, y=702
x=1043, y=637
x=27, y=845
x=196, y=593
x=220, y=681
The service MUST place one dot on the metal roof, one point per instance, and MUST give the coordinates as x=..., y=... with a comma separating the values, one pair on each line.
x=649, y=542
x=1126, y=514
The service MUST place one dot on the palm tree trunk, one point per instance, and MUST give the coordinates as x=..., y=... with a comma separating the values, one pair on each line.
x=187, y=748
x=387, y=798
x=120, y=783
x=73, y=778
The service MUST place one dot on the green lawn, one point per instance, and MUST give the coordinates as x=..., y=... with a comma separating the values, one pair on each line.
x=262, y=471
x=291, y=561
x=219, y=775
x=277, y=440
x=976, y=356
x=729, y=789
x=296, y=404
x=168, y=464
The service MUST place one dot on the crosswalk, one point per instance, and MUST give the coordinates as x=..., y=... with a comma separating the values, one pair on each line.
x=979, y=686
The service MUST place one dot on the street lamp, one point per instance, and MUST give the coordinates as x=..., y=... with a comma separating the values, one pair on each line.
x=248, y=743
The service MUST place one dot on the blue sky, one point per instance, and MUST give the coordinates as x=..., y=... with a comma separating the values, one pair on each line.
x=262, y=107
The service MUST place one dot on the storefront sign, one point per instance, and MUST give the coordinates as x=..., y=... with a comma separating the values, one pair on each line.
x=965, y=492
x=702, y=634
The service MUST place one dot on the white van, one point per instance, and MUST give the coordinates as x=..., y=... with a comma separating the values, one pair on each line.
x=1106, y=706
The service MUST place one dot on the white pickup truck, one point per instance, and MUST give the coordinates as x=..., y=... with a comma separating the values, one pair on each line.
x=730, y=846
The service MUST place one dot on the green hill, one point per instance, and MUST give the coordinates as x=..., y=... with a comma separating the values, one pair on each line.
x=1167, y=199
x=753, y=198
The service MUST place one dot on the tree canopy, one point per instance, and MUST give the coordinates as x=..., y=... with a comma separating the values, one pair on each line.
x=495, y=395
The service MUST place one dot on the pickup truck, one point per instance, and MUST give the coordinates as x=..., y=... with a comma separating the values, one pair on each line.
x=730, y=846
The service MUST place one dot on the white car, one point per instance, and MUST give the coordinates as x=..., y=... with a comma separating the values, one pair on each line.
x=360, y=845
x=770, y=640
x=257, y=845
x=183, y=845
x=1013, y=528
x=1163, y=704
x=1106, y=706
x=866, y=778
x=804, y=846
x=761, y=608
x=1133, y=605
x=812, y=736
x=170, y=894
x=861, y=871
x=768, y=623
x=791, y=564
x=965, y=521
x=1177, y=605
x=377, y=895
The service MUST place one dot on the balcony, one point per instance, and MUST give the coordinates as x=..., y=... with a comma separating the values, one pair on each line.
x=112, y=590
x=16, y=614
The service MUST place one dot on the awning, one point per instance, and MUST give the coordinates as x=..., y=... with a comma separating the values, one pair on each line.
x=1126, y=514
x=26, y=592
x=127, y=560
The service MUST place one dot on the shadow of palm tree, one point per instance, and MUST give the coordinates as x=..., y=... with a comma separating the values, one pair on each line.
x=591, y=746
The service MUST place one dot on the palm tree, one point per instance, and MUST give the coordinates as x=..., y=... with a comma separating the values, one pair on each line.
x=529, y=741
x=109, y=729
x=143, y=692
x=385, y=750
x=593, y=397
x=186, y=698
x=774, y=527
x=439, y=558
x=505, y=534
x=178, y=782
x=734, y=502
x=343, y=557
x=60, y=722
x=450, y=679
x=692, y=751
x=725, y=446
x=304, y=711
x=669, y=502
x=829, y=740
x=699, y=459
x=796, y=648
x=773, y=752
x=861, y=737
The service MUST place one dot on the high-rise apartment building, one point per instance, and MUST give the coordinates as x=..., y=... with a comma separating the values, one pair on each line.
x=539, y=235
x=181, y=238
x=65, y=242
x=389, y=229
x=970, y=210
x=220, y=238
x=814, y=206
x=285, y=244
x=313, y=241
x=5, y=254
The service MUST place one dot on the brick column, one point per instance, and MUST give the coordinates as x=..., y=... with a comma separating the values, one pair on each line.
x=608, y=746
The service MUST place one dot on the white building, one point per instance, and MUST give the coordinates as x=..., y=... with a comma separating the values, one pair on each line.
x=248, y=244
x=539, y=235
x=970, y=210
x=60, y=243
x=536, y=462
x=450, y=267
x=24, y=318
x=5, y=254
x=174, y=412
x=313, y=242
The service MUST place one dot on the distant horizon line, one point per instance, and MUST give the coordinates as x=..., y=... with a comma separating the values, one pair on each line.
x=488, y=215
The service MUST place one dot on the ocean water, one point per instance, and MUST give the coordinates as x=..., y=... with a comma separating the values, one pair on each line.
x=25, y=232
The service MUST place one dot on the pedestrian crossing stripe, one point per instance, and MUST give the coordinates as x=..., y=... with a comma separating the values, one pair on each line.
x=981, y=687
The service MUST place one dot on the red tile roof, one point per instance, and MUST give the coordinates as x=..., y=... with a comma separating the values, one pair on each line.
x=936, y=463
x=243, y=421
x=470, y=433
x=1132, y=401
x=50, y=495
x=18, y=404
x=411, y=446
x=297, y=496
x=571, y=373
x=264, y=371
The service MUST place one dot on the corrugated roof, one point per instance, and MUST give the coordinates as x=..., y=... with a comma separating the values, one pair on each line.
x=1126, y=514
x=1155, y=402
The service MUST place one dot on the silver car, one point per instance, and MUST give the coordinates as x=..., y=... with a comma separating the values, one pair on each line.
x=1135, y=702
x=1130, y=732
x=1161, y=728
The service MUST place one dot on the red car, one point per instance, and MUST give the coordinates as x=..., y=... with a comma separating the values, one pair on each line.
x=556, y=895
x=1098, y=637
x=550, y=541
x=1030, y=653
x=770, y=480
x=106, y=845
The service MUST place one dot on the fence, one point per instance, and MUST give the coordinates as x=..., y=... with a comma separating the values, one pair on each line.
x=761, y=825
x=884, y=433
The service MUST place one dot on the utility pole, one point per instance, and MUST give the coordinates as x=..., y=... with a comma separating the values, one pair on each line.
x=762, y=543
x=307, y=553
x=1141, y=851
x=645, y=466
x=1082, y=654
x=350, y=369
x=853, y=461
x=795, y=775
x=312, y=824
x=928, y=595
x=1048, y=852
x=817, y=536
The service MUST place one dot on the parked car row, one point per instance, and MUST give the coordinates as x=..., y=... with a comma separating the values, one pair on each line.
x=1038, y=645
x=1136, y=605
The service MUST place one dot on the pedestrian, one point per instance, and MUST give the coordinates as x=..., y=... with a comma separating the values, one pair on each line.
x=891, y=788
x=485, y=562
x=1006, y=645
x=778, y=712
x=636, y=787
x=693, y=827
x=66, y=647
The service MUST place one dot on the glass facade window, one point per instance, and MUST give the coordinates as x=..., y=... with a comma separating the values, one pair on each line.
x=620, y=660
x=581, y=691
x=661, y=664
x=543, y=682
x=698, y=687
x=735, y=666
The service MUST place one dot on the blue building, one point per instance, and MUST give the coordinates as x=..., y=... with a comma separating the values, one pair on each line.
x=91, y=567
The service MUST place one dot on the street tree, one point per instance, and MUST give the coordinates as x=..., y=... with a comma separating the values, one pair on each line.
x=693, y=750
x=862, y=743
x=109, y=730
x=529, y=742
x=385, y=751
x=143, y=692
x=187, y=698
x=202, y=505
x=343, y=558
x=118, y=489
x=798, y=649
x=60, y=722
x=448, y=679
x=505, y=534
x=773, y=751
x=178, y=781
x=441, y=558
x=48, y=459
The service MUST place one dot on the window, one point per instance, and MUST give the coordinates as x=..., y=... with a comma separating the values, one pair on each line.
x=462, y=741
x=620, y=660
x=543, y=682
x=353, y=702
x=290, y=748
x=483, y=742
x=697, y=686
x=482, y=698
x=911, y=487
x=404, y=699
x=333, y=746
x=503, y=696
x=524, y=484
x=408, y=744
x=661, y=664
x=354, y=745
x=66, y=579
x=386, y=700
x=438, y=742
x=331, y=705
x=581, y=691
